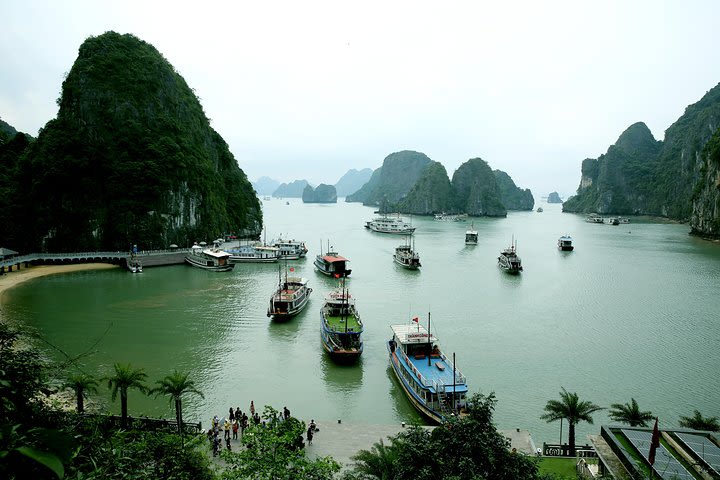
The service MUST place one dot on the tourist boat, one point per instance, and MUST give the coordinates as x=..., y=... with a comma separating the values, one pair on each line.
x=623, y=219
x=594, y=218
x=332, y=264
x=539, y=210
x=428, y=378
x=289, y=299
x=394, y=225
x=257, y=253
x=290, y=249
x=448, y=217
x=471, y=235
x=565, y=243
x=209, y=258
x=340, y=327
x=613, y=221
x=407, y=257
x=509, y=260
x=134, y=265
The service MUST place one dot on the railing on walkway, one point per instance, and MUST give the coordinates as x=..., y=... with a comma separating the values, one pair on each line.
x=82, y=257
x=141, y=423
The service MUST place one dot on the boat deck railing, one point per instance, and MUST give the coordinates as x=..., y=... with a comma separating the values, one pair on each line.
x=439, y=387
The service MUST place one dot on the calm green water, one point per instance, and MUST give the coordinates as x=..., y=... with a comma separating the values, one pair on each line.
x=633, y=311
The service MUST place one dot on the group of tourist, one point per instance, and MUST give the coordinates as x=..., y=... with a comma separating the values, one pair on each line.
x=238, y=420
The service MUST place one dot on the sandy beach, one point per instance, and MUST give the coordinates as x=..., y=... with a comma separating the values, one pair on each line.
x=16, y=277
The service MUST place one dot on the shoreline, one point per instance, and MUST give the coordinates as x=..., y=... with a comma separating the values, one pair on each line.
x=8, y=280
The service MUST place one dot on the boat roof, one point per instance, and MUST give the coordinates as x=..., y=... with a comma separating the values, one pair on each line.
x=334, y=258
x=216, y=253
x=266, y=247
x=411, y=333
x=300, y=280
x=566, y=237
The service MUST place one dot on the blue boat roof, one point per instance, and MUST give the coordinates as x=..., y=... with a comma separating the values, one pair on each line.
x=440, y=372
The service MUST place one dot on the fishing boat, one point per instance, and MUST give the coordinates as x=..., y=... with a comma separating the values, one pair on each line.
x=430, y=380
x=594, y=218
x=471, y=235
x=212, y=259
x=256, y=253
x=340, y=326
x=565, y=243
x=332, y=264
x=133, y=263
x=509, y=260
x=386, y=224
x=291, y=296
x=406, y=256
x=290, y=249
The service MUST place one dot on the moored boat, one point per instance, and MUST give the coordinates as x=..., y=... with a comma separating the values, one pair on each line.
x=594, y=218
x=134, y=264
x=290, y=249
x=257, y=253
x=290, y=297
x=340, y=327
x=406, y=256
x=429, y=379
x=212, y=259
x=387, y=224
x=332, y=264
x=509, y=260
x=565, y=243
x=471, y=235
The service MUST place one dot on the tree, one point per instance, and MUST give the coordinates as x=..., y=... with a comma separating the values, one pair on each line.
x=175, y=386
x=698, y=422
x=463, y=447
x=81, y=384
x=630, y=413
x=573, y=410
x=274, y=450
x=126, y=376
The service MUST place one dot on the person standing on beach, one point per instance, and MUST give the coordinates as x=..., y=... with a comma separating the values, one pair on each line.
x=252, y=408
x=226, y=427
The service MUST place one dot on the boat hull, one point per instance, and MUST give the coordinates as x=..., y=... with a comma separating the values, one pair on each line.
x=566, y=248
x=284, y=315
x=409, y=266
x=344, y=356
x=417, y=402
x=212, y=268
x=406, y=231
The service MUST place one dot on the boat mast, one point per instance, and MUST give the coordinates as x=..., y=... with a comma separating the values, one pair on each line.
x=429, y=342
x=453, y=381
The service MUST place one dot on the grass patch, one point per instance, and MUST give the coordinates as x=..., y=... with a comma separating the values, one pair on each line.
x=560, y=467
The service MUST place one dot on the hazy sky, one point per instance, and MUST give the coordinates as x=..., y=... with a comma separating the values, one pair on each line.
x=304, y=89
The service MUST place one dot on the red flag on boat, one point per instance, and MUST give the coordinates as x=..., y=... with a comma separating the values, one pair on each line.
x=292, y=269
x=337, y=275
x=416, y=319
x=654, y=443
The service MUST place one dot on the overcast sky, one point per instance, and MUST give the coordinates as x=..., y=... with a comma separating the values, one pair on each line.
x=308, y=89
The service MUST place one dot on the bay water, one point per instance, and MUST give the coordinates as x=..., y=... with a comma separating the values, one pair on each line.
x=634, y=311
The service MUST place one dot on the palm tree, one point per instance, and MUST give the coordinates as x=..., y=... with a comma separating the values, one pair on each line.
x=630, y=413
x=571, y=408
x=81, y=384
x=126, y=376
x=175, y=386
x=698, y=422
x=378, y=462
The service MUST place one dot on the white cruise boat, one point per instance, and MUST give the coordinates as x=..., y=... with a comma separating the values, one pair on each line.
x=212, y=259
x=471, y=235
x=254, y=254
x=290, y=249
x=386, y=224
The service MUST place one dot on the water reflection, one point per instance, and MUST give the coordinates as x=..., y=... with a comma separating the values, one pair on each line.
x=401, y=405
x=341, y=378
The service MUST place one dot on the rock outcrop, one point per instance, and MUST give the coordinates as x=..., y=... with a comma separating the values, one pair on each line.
x=476, y=190
x=130, y=159
x=398, y=174
x=293, y=189
x=554, y=197
x=352, y=181
x=511, y=196
x=432, y=193
x=705, y=218
x=322, y=194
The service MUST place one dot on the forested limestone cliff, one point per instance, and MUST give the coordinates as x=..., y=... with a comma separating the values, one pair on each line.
x=672, y=178
x=130, y=159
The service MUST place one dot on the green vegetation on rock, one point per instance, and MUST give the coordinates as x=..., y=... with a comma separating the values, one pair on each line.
x=512, y=197
x=432, y=193
x=130, y=159
x=476, y=190
x=322, y=194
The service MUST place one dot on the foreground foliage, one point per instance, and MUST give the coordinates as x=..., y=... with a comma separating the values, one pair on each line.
x=274, y=450
x=463, y=448
x=572, y=409
x=630, y=413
